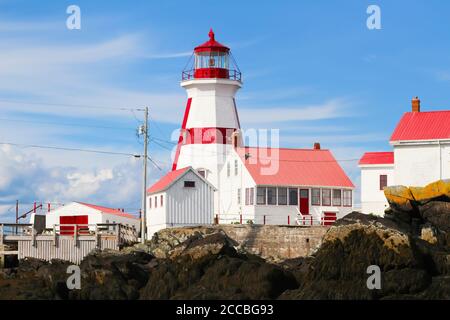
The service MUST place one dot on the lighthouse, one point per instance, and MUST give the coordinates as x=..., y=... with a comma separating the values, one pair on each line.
x=210, y=126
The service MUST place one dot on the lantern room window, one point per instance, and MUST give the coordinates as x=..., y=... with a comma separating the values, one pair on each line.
x=212, y=60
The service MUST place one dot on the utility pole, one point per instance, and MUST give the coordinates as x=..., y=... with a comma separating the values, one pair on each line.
x=144, y=131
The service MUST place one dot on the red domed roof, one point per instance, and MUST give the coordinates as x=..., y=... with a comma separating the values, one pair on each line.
x=211, y=45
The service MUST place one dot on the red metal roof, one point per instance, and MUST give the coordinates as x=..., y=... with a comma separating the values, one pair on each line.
x=211, y=45
x=377, y=158
x=296, y=167
x=116, y=212
x=423, y=126
x=166, y=180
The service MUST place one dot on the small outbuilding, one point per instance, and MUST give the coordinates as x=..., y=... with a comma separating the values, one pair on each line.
x=80, y=213
x=180, y=198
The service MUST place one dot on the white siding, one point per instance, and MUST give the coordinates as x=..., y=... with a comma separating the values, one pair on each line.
x=182, y=206
x=420, y=164
x=372, y=198
x=72, y=209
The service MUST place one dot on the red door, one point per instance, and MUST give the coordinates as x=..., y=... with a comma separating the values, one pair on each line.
x=304, y=201
x=81, y=221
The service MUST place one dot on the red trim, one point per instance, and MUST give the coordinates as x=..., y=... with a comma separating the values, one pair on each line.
x=209, y=73
x=180, y=139
x=236, y=113
x=209, y=135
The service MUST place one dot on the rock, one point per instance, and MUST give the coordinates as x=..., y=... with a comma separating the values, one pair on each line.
x=437, y=213
x=339, y=268
x=428, y=234
x=113, y=275
x=198, y=247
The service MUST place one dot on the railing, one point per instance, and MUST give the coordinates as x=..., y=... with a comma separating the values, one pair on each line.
x=15, y=229
x=294, y=219
x=232, y=75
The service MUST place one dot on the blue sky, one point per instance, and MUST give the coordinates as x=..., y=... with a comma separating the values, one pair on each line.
x=311, y=68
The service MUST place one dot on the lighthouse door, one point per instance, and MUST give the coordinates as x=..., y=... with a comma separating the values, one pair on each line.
x=304, y=201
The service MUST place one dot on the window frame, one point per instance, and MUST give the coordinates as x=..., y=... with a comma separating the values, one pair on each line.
x=344, y=198
x=285, y=196
x=319, y=197
x=333, y=198
x=322, y=197
x=264, y=195
x=187, y=184
x=385, y=180
x=272, y=196
x=289, y=197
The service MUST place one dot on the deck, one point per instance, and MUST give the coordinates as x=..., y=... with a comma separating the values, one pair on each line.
x=69, y=242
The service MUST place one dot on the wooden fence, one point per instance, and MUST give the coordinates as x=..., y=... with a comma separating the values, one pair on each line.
x=71, y=246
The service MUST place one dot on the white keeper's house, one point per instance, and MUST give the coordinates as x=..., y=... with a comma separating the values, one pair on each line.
x=421, y=143
x=215, y=177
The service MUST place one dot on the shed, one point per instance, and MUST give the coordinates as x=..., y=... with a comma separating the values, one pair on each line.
x=180, y=198
x=85, y=213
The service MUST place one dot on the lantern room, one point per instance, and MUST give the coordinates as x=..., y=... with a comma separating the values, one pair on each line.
x=212, y=60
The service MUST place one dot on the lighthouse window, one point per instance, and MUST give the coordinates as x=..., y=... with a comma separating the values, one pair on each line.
x=238, y=196
x=252, y=193
x=228, y=169
x=235, y=167
x=261, y=195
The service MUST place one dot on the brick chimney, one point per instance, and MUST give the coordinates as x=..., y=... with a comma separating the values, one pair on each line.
x=415, y=103
x=316, y=145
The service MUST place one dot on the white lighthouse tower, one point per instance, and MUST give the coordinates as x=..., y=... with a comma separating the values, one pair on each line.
x=210, y=122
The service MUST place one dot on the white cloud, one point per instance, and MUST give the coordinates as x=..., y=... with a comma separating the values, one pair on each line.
x=335, y=108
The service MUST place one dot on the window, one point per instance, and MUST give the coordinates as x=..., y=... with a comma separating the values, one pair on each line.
x=189, y=184
x=271, y=195
x=293, y=196
x=235, y=167
x=261, y=195
x=347, y=199
x=150, y=203
x=326, y=197
x=337, y=197
x=383, y=181
x=282, y=196
x=238, y=196
x=247, y=196
x=161, y=200
x=156, y=202
x=252, y=193
x=228, y=169
x=315, y=197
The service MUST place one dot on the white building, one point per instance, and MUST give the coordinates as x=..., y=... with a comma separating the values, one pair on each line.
x=258, y=184
x=377, y=172
x=84, y=214
x=181, y=198
x=421, y=143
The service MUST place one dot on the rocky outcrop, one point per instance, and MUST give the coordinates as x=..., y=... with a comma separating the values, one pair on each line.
x=410, y=246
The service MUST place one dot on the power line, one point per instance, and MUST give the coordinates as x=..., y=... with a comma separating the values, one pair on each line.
x=65, y=124
x=66, y=105
x=67, y=149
